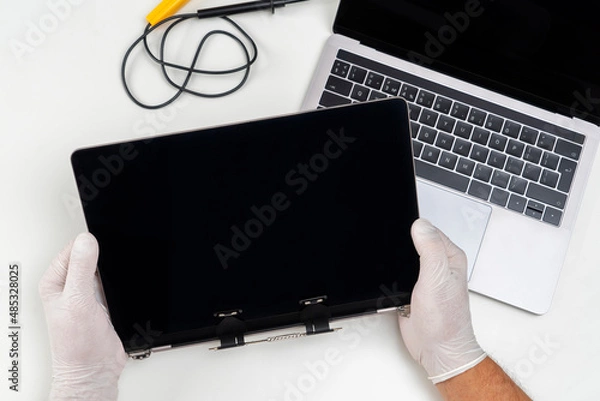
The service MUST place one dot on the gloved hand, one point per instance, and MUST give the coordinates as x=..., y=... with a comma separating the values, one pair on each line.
x=439, y=333
x=87, y=355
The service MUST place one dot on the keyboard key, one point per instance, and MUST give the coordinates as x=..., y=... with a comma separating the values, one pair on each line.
x=477, y=117
x=482, y=173
x=481, y=136
x=374, y=81
x=517, y=185
x=479, y=153
x=514, y=166
x=377, y=95
x=427, y=135
x=546, y=141
x=515, y=148
x=461, y=147
x=498, y=142
x=441, y=176
x=448, y=160
x=568, y=149
x=444, y=141
x=547, y=196
x=446, y=124
x=549, y=179
x=494, y=123
x=532, y=154
x=442, y=105
x=409, y=92
x=328, y=99
x=417, y=148
x=425, y=99
x=463, y=130
x=500, y=179
x=535, y=210
x=428, y=117
x=430, y=154
x=569, y=135
x=552, y=216
x=511, y=129
x=338, y=85
x=360, y=93
x=391, y=87
x=340, y=68
x=414, y=111
x=567, y=173
x=499, y=197
x=465, y=166
x=532, y=172
x=357, y=75
x=550, y=160
x=529, y=135
x=460, y=111
x=497, y=160
x=517, y=203
x=480, y=190
x=414, y=128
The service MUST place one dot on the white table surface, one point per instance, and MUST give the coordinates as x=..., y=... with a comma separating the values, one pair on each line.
x=65, y=92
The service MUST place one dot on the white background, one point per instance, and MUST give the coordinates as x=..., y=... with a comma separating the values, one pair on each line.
x=65, y=92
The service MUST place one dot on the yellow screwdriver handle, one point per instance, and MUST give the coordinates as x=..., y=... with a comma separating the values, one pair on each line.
x=164, y=10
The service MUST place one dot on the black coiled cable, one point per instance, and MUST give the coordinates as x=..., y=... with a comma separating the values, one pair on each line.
x=190, y=70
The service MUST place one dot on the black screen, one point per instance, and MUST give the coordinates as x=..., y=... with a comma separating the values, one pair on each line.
x=542, y=52
x=253, y=217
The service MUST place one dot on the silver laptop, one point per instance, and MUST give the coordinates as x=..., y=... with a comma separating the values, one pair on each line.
x=504, y=101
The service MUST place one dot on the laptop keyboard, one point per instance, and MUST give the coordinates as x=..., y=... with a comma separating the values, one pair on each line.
x=470, y=145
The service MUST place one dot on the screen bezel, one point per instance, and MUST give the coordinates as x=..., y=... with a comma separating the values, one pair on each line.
x=567, y=108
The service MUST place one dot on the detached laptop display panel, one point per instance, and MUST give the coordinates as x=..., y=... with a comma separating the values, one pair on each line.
x=254, y=218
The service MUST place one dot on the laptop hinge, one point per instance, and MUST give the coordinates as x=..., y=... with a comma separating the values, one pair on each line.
x=145, y=353
x=404, y=310
x=315, y=315
x=141, y=354
x=230, y=329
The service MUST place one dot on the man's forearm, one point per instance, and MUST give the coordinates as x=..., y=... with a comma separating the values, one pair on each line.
x=486, y=381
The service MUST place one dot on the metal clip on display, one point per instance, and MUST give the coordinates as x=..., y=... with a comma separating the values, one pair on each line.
x=230, y=329
x=313, y=313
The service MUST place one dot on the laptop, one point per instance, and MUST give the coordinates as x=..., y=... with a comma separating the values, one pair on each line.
x=504, y=100
x=227, y=232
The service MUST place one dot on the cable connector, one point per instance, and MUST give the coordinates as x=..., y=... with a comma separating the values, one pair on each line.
x=240, y=8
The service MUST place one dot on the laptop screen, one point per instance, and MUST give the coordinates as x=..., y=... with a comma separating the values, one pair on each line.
x=253, y=217
x=542, y=52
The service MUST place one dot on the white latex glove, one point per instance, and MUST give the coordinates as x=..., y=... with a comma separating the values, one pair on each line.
x=87, y=355
x=439, y=333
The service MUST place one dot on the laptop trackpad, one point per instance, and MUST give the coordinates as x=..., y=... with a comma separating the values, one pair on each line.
x=463, y=220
